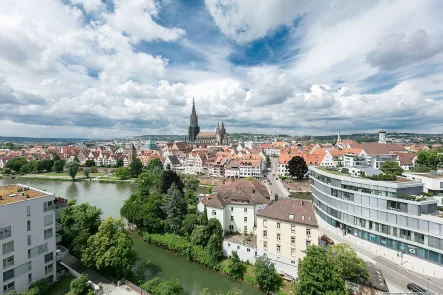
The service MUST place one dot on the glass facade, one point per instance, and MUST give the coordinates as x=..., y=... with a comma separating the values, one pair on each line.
x=366, y=211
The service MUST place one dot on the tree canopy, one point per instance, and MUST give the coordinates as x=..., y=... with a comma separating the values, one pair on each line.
x=79, y=286
x=135, y=168
x=122, y=173
x=236, y=269
x=297, y=167
x=432, y=159
x=89, y=163
x=174, y=207
x=157, y=286
x=391, y=167
x=110, y=249
x=156, y=162
x=318, y=275
x=15, y=164
x=72, y=168
x=267, y=278
x=350, y=266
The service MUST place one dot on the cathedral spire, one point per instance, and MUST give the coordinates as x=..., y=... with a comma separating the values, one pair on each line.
x=193, y=107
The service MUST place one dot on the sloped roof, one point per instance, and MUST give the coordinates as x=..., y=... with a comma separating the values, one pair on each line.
x=174, y=160
x=205, y=134
x=282, y=209
x=406, y=158
x=379, y=148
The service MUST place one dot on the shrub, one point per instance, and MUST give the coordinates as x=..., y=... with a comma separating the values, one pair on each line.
x=40, y=286
x=79, y=285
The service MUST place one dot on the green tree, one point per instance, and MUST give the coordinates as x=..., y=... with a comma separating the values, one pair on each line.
x=350, y=266
x=48, y=165
x=7, y=171
x=297, y=167
x=157, y=286
x=79, y=285
x=432, y=159
x=135, y=168
x=16, y=164
x=156, y=162
x=189, y=223
x=145, y=212
x=72, y=168
x=190, y=182
x=268, y=161
x=122, y=173
x=58, y=166
x=174, y=207
x=204, y=217
x=90, y=163
x=25, y=169
x=317, y=274
x=167, y=178
x=391, y=167
x=236, y=269
x=119, y=163
x=267, y=278
x=41, y=286
x=110, y=249
x=145, y=183
x=200, y=235
x=215, y=247
x=79, y=222
x=86, y=172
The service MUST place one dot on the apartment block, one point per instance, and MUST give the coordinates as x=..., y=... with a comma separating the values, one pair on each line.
x=28, y=236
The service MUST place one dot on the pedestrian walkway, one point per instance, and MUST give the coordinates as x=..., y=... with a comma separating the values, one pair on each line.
x=407, y=261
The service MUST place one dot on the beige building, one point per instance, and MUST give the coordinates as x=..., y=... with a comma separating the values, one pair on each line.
x=285, y=229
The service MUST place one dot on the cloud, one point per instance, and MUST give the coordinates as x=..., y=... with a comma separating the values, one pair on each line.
x=397, y=51
x=89, y=5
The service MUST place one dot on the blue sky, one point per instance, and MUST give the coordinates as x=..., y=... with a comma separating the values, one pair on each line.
x=95, y=68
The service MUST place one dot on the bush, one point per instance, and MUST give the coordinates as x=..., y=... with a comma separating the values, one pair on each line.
x=41, y=287
x=183, y=248
x=79, y=285
x=7, y=171
x=158, y=286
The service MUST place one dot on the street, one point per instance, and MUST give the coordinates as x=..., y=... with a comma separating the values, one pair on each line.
x=273, y=182
x=396, y=276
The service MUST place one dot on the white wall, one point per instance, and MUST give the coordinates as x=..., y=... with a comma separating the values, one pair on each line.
x=238, y=213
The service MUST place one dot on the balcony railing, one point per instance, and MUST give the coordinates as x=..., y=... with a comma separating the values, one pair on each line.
x=57, y=214
x=48, y=235
x=47, y=208
x=58, y=238
x=58, y=227
x=61, y=253
x=5, y=235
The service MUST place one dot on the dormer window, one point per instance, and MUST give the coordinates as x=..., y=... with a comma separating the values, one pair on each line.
x=302, y=217
x=291, y=216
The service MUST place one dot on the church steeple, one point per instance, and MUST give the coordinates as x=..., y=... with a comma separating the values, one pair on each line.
x=193, y=129
x=338, y=137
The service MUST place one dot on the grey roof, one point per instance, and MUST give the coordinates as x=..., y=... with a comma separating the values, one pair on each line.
x=174, y=160
x=370, y=171
x=296, y=211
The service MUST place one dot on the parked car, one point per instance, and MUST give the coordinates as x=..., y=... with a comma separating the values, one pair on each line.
x=416, y=288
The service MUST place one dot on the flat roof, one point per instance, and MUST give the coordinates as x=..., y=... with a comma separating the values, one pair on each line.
x=427, y=174
x=17, y=192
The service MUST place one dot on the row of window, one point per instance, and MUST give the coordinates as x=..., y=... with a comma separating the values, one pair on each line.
x=308, y=231
x=5, y=232
x=278, y=247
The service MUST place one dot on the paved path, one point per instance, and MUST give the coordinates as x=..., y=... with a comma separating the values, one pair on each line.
x=397, y=276
x=274, y=185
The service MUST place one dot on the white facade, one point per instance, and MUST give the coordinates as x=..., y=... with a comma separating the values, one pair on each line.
x=28, y=242
x=251, y=170
x=433, y=184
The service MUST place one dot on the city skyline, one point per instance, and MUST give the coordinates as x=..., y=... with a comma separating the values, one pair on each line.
x=103, y=69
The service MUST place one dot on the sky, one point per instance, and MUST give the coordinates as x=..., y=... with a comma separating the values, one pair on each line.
x=111, y=68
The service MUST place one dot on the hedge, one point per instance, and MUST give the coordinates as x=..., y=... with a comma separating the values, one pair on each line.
x=183, y=248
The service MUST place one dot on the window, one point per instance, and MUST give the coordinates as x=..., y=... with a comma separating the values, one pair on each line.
x=246, y=228
x=278, y=237
x=48, y=233
x=49, y=268
x=8, y=247
x=308, y=232
x=9, y=261
x=245, y=219
x=28, y=225
x=292, y=228
x=292, y=262
x=292, y=240
x=232, y=218
x=278, y=225
x=48, y=206
x=308, y=243
x=231, y=227
x=214, y=213
x=265, y=223
x=29, y=240
x=28, y=210
x=49, y=257
x=49, y=219
x=238, y=247
x=246, y=210
x=232, y=209
x=30, y=278
x=292, y=252
x=278, y=248
x=248, y=250
x=9, y=287
x=265, y=234
x=5, y=232
x=7, y=275
x=265, y=244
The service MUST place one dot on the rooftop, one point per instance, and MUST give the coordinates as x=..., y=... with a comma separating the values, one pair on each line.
x=296, y=211
x=398, y=179
x=16, y=193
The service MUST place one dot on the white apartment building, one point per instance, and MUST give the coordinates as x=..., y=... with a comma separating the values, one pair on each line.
x=194, y=163
x=251, y=168
x=433, y=183
x=28, y=237
x=285, y=229
x=235, y=205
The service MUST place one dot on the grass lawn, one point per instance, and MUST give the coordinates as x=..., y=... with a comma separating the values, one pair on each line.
x=52, y=174
x=302, y=196
x=61, y=285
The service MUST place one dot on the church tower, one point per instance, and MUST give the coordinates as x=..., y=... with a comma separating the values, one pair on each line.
x=193, y=129
x=338, y=138
x=382, y=136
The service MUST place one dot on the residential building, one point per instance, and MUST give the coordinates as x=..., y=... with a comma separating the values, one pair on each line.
x=285, y=228
x=236, y=203
x=432, y=183
x=389, y=213
x=28, y=236
x=173, y=163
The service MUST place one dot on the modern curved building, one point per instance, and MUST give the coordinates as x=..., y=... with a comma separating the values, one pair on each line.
x=389, y=213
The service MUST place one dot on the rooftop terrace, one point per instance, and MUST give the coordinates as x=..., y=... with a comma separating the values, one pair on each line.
x=16, y=193
x=336, y=172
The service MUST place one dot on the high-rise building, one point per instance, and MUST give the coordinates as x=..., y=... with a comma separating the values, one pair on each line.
x=28, y=236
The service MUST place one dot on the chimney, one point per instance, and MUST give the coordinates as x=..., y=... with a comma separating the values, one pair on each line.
x=301, y=203
x=253, y=191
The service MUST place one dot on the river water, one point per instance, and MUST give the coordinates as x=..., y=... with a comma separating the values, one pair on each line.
x=110, y=198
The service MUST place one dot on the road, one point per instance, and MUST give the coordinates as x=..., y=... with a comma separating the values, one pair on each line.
x=396, y=276
x=272, y=182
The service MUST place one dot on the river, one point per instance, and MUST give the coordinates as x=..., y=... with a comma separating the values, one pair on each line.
x=110, y=198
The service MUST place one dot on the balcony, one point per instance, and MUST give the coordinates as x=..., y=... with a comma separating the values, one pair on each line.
x=48, y=208
x=61, y=253
x=60, y=203
x=58, y=238
x=58, y=227
x=57, y=214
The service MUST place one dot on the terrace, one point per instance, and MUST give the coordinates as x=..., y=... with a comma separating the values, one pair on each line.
x=16, y=193
x=247, y=240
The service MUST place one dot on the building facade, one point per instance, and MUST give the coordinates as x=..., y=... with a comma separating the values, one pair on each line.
x=388, y=213
x=28, y=237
